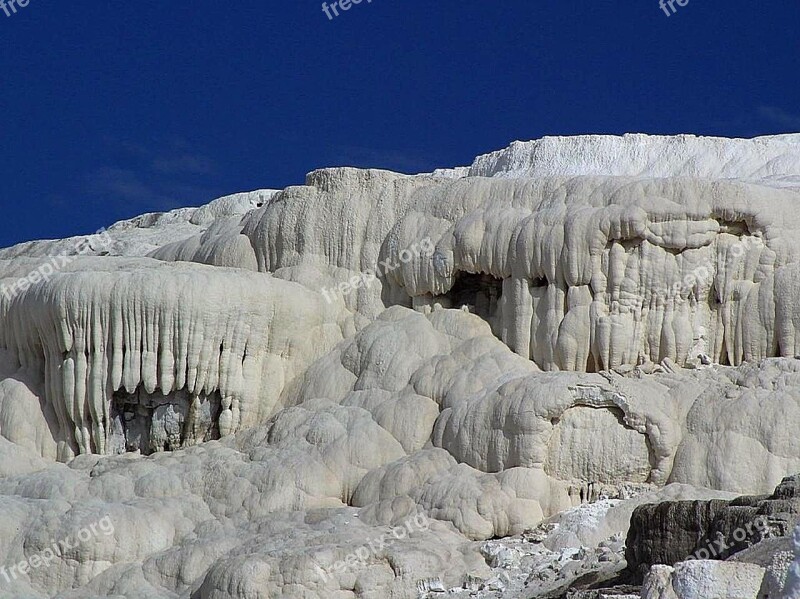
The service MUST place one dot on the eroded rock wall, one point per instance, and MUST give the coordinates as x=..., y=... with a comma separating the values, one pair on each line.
x=149, y=327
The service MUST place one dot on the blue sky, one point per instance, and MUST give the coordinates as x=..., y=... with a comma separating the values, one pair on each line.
x=114, y=108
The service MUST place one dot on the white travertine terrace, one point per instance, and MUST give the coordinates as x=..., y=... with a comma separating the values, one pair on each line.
x=591, y=273
x=116, y=324
x=665, y=259
x=600, y=315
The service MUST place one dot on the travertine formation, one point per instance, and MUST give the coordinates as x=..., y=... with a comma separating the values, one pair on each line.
x=258, y=391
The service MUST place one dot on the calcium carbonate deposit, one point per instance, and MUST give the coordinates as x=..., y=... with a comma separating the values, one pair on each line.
x=379, y=385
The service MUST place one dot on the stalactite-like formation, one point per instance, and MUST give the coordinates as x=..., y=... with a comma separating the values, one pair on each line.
x=157, y=328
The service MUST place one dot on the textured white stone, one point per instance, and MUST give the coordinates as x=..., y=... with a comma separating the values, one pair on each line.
x=115, y=324
x=702, y=579
x=791, y=589
x=550, y=352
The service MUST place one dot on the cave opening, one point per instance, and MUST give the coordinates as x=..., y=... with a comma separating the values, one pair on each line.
x=151, y=423
x=480, y=292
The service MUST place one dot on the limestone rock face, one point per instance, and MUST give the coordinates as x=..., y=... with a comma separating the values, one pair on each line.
x=111, y=332
x=363, y=385
x=704, y=580
x=791, y=580
x=772, y=159
x=576, y=273
x=671, y=532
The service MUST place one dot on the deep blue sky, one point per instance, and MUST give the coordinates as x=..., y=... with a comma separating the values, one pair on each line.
x=114, y=108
